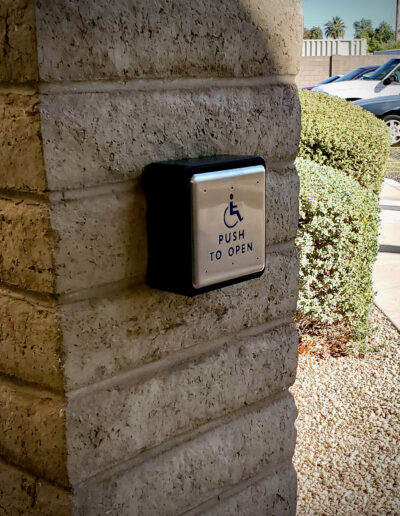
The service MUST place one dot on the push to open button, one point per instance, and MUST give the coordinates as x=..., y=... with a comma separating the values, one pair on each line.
x=205, y=222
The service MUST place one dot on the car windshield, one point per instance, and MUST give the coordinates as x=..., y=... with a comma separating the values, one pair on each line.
x=384, y=70
x=349, y=76
x=329, y=79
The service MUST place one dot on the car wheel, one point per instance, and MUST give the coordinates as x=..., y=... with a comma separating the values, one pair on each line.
x=393, y=122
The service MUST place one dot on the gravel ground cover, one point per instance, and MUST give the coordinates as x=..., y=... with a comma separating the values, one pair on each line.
x=348, y=445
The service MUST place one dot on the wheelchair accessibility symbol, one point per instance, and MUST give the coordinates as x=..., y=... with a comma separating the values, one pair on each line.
x=231, y=214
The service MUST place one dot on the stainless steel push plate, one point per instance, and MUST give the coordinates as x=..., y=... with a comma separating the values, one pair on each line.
x=228, y=224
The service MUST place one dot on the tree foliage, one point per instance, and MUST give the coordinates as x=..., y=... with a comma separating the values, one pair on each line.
x=316, y=33
x=335, y=28
x=363, y=28
x=384, y=32
x=380, y=38
x=313, y=33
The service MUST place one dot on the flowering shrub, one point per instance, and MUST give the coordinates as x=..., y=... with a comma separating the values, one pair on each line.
x=344, y=136
x=337, y=242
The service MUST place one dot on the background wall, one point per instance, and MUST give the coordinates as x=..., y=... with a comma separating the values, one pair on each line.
x=171, y=404
x=333, y=47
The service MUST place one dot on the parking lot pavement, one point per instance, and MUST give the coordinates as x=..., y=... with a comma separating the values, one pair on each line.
x=386, y=274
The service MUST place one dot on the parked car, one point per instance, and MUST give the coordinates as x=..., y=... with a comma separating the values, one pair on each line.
x=358, y=73
x=351, y=76
x=388, y=109
x=325, y=81
x=384, y=81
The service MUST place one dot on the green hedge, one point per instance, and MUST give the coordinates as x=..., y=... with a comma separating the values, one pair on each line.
x=337, y=241
x=344, y=136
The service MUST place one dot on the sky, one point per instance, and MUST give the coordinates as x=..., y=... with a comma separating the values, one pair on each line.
x=318, y=12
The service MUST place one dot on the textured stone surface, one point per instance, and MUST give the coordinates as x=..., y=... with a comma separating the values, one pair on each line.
x=30, y=341
x=101, y=240
x=114, y=423
x=18, y=41
x=98, y=246
x=281, y=206
x=106, y=336
x=107, y=137
x=147, y=38
x=275, y=495
x=32, y=430
x=21, y=157
x=22, y=494
x=25, y=245
x=193, y=472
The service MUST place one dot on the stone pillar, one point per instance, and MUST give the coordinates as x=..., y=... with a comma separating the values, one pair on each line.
x=116, y=398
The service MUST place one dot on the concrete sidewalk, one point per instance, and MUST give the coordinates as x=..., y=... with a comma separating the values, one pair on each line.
x=386, y=275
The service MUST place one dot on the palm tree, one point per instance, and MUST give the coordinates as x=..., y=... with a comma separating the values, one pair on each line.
x=335, y=28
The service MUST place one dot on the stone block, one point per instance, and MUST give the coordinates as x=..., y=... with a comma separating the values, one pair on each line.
x=282, y=206
x=274, y=495
x=18, y=41
x=26, y=241
x=30, y=341
x=32, y=430
x=101, y=240
x=93, y=138
x=21, y=156
x=109, y=335
x=187, y=475
x=118, y=421
x=24, y=494
x=147, y=38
